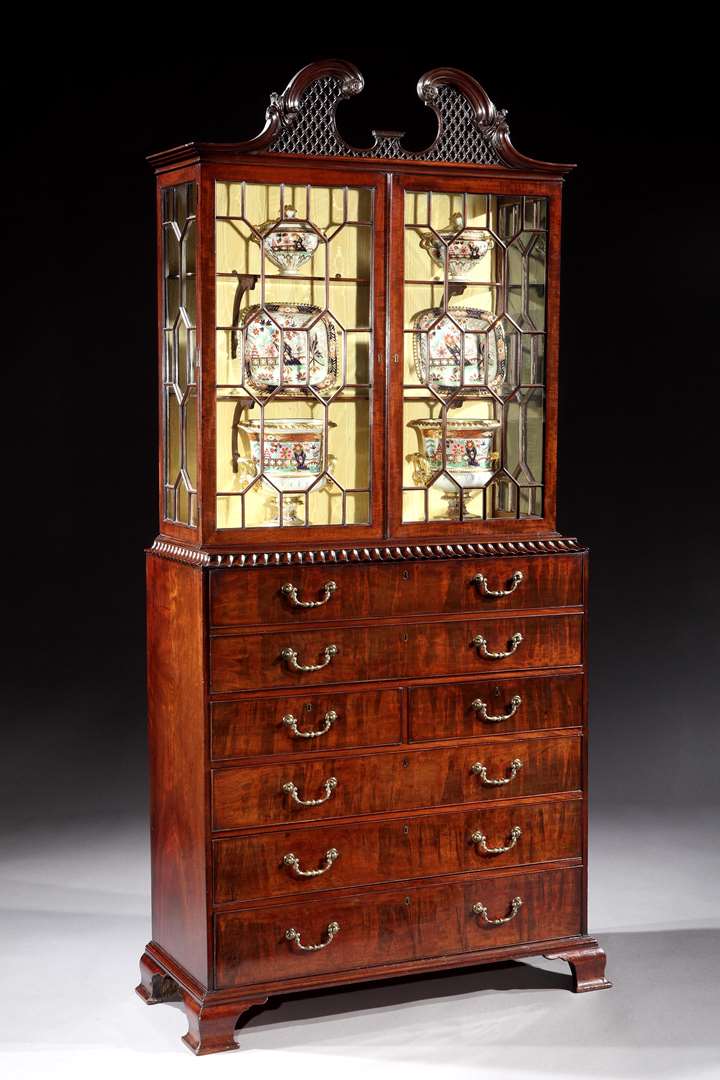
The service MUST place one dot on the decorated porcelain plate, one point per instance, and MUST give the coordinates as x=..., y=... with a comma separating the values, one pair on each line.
x=308, y=343
x=438, y=352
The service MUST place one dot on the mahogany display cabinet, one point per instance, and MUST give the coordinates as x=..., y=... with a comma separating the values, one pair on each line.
x=366, y=638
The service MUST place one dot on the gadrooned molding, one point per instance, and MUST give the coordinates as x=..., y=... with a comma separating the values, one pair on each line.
x=177, y=552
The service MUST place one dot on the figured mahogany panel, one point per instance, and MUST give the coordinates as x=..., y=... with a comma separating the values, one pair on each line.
x=466, y=709
x=408, y=924
x=244, y=728
x=405, y=650
x=176, y=720
x=252, y=867
x=376, y=783
x=360, y=592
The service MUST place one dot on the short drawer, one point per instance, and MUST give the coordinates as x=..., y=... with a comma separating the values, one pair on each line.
x=262, y=945
x=307, y=594
x=301, y=861
x=403, y=650
x=374, y=783
x=301, y=723
x=467, y=709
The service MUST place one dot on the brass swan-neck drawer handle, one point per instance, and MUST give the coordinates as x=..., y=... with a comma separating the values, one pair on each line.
x=290, y=789
x=481, y=770
x=480, y=839
x=293, y=935
x=291, y=591
x=481, y=708
x=292, y=659
x=481, y=643
x=292, y=722
x=293, y=862
x=482, y=911
x=482, y=582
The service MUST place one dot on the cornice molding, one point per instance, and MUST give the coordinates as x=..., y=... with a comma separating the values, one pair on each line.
x=302, y=120
x=168, y=549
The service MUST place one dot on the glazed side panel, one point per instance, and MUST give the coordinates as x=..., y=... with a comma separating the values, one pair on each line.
x=405, y=650
x=176, y=720
x=361, y=592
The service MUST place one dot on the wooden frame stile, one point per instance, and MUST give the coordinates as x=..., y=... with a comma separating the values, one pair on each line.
x=432, y=726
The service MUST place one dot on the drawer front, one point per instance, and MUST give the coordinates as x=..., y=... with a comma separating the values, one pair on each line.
x=374, y=783
x=365, y=853
x=390, y=926
x=467, y=709
x=268, y=596
x=302, y=723
x=405, y=650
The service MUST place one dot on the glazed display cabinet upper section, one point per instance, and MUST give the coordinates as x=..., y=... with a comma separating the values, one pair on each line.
x=358, y=345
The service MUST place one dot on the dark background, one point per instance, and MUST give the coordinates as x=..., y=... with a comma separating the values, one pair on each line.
x=639, y=389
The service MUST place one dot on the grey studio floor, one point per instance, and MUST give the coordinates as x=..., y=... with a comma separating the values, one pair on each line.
x=75, y=920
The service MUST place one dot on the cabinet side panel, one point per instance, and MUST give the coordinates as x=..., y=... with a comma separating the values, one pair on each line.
x=177, y=762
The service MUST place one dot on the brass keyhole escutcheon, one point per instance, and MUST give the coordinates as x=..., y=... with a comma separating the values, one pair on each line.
x=307, y=706
x=406, y=575
x=406, y=829
x=405, y=637
x=496, y=691
x=405, y=762
x=407, y=899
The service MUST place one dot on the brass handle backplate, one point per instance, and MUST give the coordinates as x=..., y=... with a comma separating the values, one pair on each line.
x=291, y=656
x=293, y=862
x=290, y=789
x=482, y=911
x=294, y=935
x=481, y=643
x=480, y=839
x=481, y=708
x=291, y=591
x=482, y=582
x=292, y=722
x=481, y=770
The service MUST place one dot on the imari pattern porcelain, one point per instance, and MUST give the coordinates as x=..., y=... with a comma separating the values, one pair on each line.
x=465, y=247
x=288, y=242
x=469, y=455
x=305, y=338
x=292, y=455
x=459, y=347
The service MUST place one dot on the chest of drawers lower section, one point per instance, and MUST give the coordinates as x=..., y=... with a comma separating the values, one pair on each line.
x=407, y=799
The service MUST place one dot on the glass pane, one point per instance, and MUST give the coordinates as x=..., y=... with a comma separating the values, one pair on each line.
x=473, y=358
x=294, y=355
x=179, y=354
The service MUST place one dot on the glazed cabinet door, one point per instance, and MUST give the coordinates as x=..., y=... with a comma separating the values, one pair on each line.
x=298, y=316
x=472, y=379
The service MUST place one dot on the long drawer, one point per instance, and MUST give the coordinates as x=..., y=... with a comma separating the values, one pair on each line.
x=498, y=706
x=403, y=650
x=487, y=769
x=300, y=861
x=261, y=945
x=268, y=596
x=302, y=723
